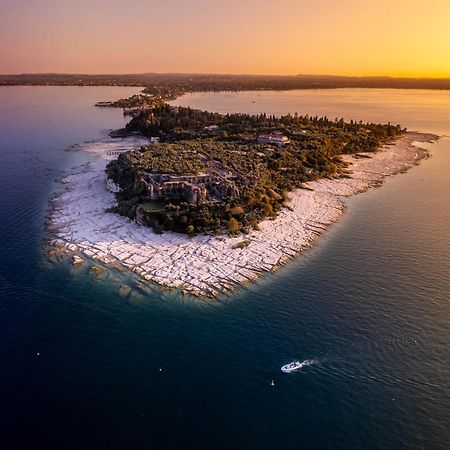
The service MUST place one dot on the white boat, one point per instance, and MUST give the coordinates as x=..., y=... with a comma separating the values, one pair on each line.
x=294, y=365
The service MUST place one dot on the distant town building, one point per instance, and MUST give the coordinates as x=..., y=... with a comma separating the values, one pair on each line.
x=276, y=139
x=104, y=104
x=211, y=127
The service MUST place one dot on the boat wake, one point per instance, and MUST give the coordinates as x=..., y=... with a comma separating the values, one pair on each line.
x=308, y=362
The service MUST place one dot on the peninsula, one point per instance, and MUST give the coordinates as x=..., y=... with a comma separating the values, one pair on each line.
x=208, y=201
x=208, y=172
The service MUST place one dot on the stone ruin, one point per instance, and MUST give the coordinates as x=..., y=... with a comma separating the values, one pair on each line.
x=190, y=188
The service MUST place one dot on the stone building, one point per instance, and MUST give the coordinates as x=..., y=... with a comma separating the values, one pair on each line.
x=190, y=188
x=277, y=139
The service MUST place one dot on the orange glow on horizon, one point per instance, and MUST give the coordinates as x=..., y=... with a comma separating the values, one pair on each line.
x=406, y=38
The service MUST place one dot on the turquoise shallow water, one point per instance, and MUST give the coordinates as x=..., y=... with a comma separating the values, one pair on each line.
x=369, y=304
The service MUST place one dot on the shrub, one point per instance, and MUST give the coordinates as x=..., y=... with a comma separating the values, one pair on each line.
x=233, y=226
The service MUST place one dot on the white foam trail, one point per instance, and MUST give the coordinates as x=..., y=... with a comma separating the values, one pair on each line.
x=308, y=362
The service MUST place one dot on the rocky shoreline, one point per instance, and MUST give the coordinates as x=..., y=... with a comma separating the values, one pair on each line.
x=210, y=265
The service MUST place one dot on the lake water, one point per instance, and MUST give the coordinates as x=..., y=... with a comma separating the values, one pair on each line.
x=369, y=304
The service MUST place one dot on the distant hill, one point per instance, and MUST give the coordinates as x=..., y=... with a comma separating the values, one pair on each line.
x=185, y=82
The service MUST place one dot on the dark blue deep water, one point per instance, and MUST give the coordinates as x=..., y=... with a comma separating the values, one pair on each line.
x=369, y=304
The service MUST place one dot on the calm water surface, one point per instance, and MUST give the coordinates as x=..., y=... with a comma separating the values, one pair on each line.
x=369, y=305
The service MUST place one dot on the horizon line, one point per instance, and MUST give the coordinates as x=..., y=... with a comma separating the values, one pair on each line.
x=226, y=74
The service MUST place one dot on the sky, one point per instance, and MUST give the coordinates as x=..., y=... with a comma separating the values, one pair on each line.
x=284, y=37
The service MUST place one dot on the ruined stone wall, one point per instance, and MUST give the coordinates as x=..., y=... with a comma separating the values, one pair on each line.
x=191, y=189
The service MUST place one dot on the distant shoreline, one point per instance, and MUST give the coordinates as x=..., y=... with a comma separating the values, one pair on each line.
x=169, y=84
x=205, y=265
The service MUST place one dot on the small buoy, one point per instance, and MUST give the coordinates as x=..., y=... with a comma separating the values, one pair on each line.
x=38, y=354
x=272, y=383
x=160, y=370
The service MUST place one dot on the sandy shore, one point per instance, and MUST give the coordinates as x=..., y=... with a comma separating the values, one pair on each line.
x=206, y=265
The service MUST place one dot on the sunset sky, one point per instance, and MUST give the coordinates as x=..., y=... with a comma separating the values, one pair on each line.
x=347, y=37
